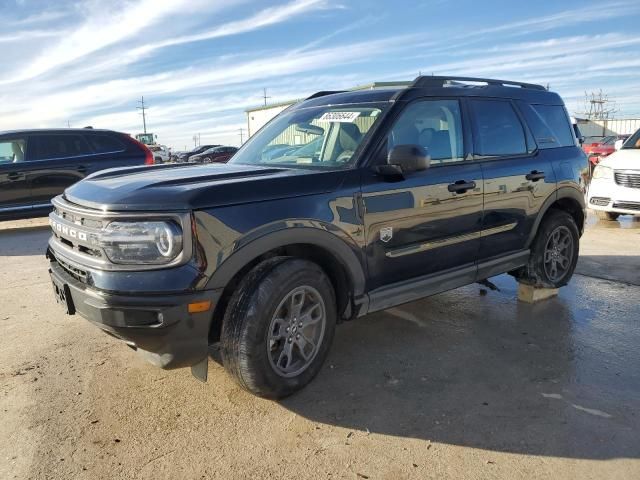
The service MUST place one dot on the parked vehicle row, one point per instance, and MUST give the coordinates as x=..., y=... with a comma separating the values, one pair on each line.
x=345, y=204
x=207, y=154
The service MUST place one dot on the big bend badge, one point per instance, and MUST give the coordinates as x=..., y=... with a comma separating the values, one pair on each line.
x=386, y=234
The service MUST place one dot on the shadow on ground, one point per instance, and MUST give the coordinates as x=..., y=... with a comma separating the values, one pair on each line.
x=559, y=378
x=24, y=242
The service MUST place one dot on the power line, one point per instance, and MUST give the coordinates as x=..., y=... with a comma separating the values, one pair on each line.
x=597, y=106
x=144, y=117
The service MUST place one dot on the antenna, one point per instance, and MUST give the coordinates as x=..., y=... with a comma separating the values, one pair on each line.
x=144, y=117
x=264, y=96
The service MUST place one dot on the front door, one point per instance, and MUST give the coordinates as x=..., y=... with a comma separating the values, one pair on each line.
x=428, y=222
x=15, y=195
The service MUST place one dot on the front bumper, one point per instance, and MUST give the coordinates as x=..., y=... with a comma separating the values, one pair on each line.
x=158, y=326
x=606, y=195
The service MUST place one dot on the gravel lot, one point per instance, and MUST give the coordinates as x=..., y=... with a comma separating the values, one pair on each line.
x=466, y=384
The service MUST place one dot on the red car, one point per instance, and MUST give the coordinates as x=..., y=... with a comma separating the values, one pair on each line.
x=601, y=148
x=214, y=155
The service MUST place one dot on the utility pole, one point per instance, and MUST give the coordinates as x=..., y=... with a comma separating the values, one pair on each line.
x=68, y=124
x=241, y=137
x=264, y=96
x=143, y=107
x=195, y=141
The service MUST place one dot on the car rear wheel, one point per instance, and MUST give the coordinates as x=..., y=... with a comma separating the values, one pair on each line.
x=610, y=216
x=554, y=252
x=278, y=327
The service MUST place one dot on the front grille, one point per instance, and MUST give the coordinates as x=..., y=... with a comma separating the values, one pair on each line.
x=627, y=206
x=601, y=201
x=627, y=179
x=75, y=231
x=77, y=273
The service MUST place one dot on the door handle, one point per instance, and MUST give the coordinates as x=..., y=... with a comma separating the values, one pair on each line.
x=82, y=169
x=534, y=176
x=13, y=176
x=461, y=186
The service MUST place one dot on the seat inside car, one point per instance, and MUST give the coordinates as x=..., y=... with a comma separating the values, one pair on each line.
x=18, y=153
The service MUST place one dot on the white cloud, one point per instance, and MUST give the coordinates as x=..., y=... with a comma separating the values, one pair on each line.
x=105, y=25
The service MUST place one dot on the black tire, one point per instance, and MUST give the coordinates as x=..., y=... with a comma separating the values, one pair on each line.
x=245, y=345
x=609, y=216
x=536, y=273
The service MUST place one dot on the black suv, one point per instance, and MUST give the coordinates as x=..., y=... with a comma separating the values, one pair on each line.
x=404, y=194
x=37, y=165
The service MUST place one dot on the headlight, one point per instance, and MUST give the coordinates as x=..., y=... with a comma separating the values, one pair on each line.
x=154, y=243
x=602, y=172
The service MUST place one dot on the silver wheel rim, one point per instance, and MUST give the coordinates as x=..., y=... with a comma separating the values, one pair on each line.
x=296, y=331
x=558, y=253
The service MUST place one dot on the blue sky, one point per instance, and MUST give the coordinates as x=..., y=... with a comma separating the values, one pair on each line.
x=201, y=63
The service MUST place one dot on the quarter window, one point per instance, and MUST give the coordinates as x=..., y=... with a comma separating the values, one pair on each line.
x=434, y=124
x=498, y=131
x=104, y=144
x=13, y=150
x=60, y=146
x=555, y=117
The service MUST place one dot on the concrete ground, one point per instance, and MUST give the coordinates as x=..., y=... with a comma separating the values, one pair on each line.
x=466, y=384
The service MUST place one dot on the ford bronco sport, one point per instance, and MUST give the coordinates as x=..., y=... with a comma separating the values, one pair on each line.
x=385, y=197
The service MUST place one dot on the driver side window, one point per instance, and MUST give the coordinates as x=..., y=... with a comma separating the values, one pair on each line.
x=435, y=125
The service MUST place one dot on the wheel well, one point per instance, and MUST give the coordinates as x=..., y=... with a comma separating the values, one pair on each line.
x=572, y=207
x=335, y=270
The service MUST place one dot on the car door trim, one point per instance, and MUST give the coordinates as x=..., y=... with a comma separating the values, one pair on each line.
x=416, y=288
x=445, y=242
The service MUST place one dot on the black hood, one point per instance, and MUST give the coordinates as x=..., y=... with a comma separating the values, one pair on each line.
x=187, y=186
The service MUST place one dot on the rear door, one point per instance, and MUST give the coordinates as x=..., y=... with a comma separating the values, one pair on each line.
x=58, y=161
x=518, y=177
x=111, y=150
x=15, y=194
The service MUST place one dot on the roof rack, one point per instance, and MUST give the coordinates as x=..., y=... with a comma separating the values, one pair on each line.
x=324, y=93
x=425, y=81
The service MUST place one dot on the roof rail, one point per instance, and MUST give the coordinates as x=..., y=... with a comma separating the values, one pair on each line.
x=324, y=93
x=430, y=81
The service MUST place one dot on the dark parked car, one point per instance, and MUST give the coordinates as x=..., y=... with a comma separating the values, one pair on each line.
x=412, y=192
x=185, y=156
x=37, y=165
x=214, y=155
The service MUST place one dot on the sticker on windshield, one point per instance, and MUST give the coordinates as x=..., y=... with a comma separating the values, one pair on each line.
x=348, y=117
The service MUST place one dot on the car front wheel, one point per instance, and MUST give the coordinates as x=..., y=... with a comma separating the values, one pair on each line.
x=278, y=327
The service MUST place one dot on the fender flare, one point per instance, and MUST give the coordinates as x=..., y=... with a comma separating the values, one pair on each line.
x=562, y=192
x=334, y=244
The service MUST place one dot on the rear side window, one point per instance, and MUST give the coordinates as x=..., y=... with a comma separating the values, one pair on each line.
x=60, y=146
x=498, y=131
x=105, y=144
x=556, y=120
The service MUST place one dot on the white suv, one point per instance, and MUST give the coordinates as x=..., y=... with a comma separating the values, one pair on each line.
x=615, y=186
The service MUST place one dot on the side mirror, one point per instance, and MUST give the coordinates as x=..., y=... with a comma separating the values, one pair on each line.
x=409, y=158
x=581, y=139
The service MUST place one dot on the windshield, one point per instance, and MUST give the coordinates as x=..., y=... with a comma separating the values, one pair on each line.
x=324, y=137
x=633, y=142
